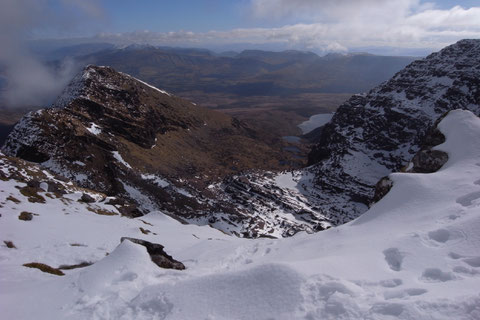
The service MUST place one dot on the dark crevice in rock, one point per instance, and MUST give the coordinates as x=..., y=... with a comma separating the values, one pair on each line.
x=158, y=256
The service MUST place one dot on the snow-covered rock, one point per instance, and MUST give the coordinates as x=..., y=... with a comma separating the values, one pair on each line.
x=376, y=133
x=370, y=136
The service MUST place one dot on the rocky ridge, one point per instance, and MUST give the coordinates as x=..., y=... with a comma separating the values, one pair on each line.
x=116, y=134
x=376, y=133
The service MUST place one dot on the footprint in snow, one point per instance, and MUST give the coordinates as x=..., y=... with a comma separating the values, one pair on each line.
x=394, y=258
x=404, y=294
x=443, y=237
x=451, y=217
x=477, y=182
x=465, y=271
x=455, y=256
x=467, y=200
x=388, y=309
x=436, y=275
x=472, y=261
x=125, y=277
x=440, y=235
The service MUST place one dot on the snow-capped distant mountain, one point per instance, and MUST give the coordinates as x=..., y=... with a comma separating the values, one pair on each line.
x=413, y=255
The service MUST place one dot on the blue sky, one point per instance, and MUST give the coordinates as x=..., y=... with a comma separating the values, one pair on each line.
x=199, y=15
x=191, y=15
x=395, y=26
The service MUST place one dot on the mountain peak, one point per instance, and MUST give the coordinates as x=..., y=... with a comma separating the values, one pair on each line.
x=114, y=133
x=93, y=81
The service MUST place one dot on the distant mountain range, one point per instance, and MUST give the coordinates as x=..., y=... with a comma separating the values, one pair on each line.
x=250, y=72
x=276, y=90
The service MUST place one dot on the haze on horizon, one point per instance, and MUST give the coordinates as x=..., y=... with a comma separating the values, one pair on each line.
x=399, y=27
x=388, y=27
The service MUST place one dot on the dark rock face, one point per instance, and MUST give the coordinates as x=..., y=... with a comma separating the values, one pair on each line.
x=427, y=160
x=87, y=198
x=376, y=133
x=382, y=188
x=158, y=256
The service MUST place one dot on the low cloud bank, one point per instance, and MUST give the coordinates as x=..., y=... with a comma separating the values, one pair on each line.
x=27, y=81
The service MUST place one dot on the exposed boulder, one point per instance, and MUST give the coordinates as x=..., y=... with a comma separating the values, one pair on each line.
x=158, y=256
x=427, y=159
x=25, y=216
x=87, y=198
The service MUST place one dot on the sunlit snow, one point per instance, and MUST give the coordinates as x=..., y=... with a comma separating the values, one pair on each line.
x=413, y=255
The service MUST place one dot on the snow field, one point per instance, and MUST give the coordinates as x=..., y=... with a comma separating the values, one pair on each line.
x=413, y=255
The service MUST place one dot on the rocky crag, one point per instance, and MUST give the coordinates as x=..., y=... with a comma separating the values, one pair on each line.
x=370, y=136
x=116, y=134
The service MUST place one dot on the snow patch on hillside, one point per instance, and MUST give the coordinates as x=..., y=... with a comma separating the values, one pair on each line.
x=119, y=158
x=156, y=180
x=146, y=84
x=94, y=129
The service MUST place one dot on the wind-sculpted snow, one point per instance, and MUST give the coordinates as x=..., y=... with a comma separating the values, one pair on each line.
x=413, y=255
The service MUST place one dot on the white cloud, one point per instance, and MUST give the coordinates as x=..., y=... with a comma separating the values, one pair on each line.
x=334, y=25
x=29, y=81
x=331, y=10
x=399, y=23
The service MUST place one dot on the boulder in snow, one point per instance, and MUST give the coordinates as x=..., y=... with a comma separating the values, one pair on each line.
x=158, y=256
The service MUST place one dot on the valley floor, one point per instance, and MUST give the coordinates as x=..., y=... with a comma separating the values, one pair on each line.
x=413, y=255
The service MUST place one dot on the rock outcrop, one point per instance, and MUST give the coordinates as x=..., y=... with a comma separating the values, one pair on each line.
x=157, y=254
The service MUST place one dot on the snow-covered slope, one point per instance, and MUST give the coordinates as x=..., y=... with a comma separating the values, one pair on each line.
x=414, y=255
